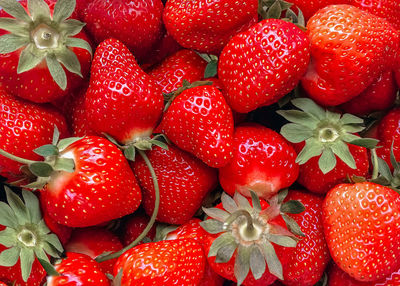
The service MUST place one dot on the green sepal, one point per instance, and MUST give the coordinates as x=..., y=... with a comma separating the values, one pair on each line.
x=212, y=226
x=274, y=11
x=292, y=225
x=368, y=143
x=56, y=70
x=17, y=206
x=64, y=164
x=41, y=169
x=341, y=150
x=273, y=262
x=72, y=27
x=327, y=161
x=32, y=206
x=26, y=257
x=10, y=43
x=15, y=9
x=64, y=143
x=299, y=117
x=228, y=203
x=255, y=200
x=7, y=237
x=14, y=26
x=257, y=262
x=211, y=69
x=282, y=194
x=9, y=257
x=282, y=240
x=296, y=132
x=242, y=263
x=7, y=216
x=79, y=43
x=292, y=207
x=70, y=61
x=226, y=252
x=351, y=119
x=53, y=240
x=63, y=9
x=56, y=136
x=38, y=184
x=220, y=241
x=130, y=153
x=242, y=202
x=47, y=150
x=38, y=9
x=48, y=267
x=216, y=213
x=309, y=106
x=310, y=150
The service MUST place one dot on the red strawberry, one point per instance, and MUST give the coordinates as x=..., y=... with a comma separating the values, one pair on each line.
x=78, y=269
x=137, y=24
x=25, y=126
x=208, y=25
x=347, y=57
x=47, y=56
x=200, y=121
x=261, y=65
x=118, y=84
x=311, y=7
x=172, y=262
x=183, y=65
x=361, y=228
x=263, y=161
x=309, y=258
x=380, y=95
x=184, y=182
x=134, y=226
x=94, y=242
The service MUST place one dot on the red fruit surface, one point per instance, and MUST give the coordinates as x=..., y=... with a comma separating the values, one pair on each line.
x=309, y=8
x=184, y=182
x=263, y=161
x=173, y=262
x=200, y=121
x=397, y=74
x=101, y=188
x=118, y=83
x=361, y=229
x=134, y=226
x=208, y=25
x=262, y=64
x=350, y=48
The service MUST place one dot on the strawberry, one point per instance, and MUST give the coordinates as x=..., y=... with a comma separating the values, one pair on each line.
x=134, y=226
x=118, y=83
x=263, y=161
x=262, y=64
x=379, y=96
x=45, y=52
x=137, y=24
x=200, y=121
x=328, y=147
x=24, y=127
x=309, y=258
x=311, y=7
x=347, y=57
x=78, y=269
x=184, y=182
x=361, y=229
x=172, y=262
x=94, y=242
x=208, y=25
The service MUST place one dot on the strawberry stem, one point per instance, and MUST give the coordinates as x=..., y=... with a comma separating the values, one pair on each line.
x=153, y=216
x=15, y=158
x=375, y=164
x=249, y=230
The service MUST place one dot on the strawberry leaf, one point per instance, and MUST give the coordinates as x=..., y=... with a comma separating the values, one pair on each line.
x=257, y=262
x=274, y=265
x=242, y=265
x=46, y=150
x=38, y=9
x=41, y=169
x=10, y=43
x=79, y=43
x=15, y=9
x=26, y=258
x=292, y=207
x=56, y=71
x=327, y=161
x=63, y=10
x=226, y=252
x=9, y=257
x=50, y=270
x=341, y=150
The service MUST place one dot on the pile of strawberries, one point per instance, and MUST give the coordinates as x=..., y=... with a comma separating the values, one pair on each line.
x=199, y=142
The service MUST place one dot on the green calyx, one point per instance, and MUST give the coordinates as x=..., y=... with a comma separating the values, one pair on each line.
x=211, y=69
x=325, y=133
x=273, y=9
x=382, y=173
x=43, y=37
x=248, y=230
x=26, y=235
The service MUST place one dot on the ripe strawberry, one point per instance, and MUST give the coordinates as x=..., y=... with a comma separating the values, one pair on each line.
x=261, y=65
x=172, y=262
x=94, y=242
x=134, y=226
x=310, y=257
x=118, y=84
x=137, y=24
x=263, y=162
x=380, y=95
x=43, y=55
x=183, y=65
x=78, y=269
x=24, y=126
x=347, y=57
x=200, y=121
x=208, y=25
x=361, y=228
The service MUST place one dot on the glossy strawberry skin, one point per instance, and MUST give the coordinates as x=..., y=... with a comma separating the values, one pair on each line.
x=184, y=182
x=262, y=64
x=25, y=126
x=359, y=221
x=345, y=65
x=118, y=83
x=137, y=24
x=175, y=262
x=308, y=260
x=200, y=121
x=78, y=269
x=134, y=226
x=263, y=161
x=101, y=188
x=207, y=26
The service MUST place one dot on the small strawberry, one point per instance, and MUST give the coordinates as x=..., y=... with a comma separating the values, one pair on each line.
x=41, y=50
x=263, y=161
x=78, y=269
x=184, y=182
x=350, y=48
x=134, y=226
x=171, y=262
x=208, y=25
x=262, y=64
x=200, y=121
x=361, y=228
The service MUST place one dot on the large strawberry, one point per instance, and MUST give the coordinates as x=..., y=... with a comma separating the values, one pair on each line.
x=263, y=162
x=207, y=25
x=361, y=228
x=41, y=49
x=184, y=182
x=137, y=24
x=200, y=121
x=262, y=64
x=350, y=48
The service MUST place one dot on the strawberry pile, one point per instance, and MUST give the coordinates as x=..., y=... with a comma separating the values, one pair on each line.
x=199, y=142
